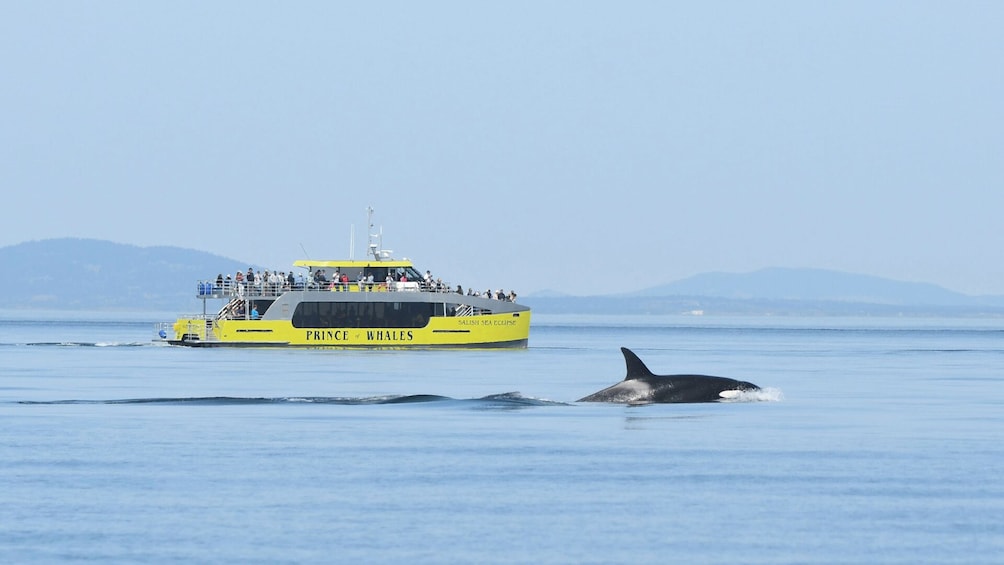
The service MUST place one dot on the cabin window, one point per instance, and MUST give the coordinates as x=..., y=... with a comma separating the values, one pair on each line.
x=363, y=314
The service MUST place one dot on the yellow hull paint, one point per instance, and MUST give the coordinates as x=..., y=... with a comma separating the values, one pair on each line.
x=490, y=330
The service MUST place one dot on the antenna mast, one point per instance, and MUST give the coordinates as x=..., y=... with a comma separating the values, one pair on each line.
x=373, y=248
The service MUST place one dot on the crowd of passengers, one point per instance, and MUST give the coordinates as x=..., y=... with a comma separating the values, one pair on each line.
x=275, y=283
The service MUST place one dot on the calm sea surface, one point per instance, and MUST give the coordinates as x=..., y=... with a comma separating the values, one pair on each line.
x=875, y=441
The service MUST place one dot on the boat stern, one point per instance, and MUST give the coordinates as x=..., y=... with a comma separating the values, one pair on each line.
x=187, y=330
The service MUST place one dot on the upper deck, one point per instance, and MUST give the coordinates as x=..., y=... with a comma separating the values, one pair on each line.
x=352, y=264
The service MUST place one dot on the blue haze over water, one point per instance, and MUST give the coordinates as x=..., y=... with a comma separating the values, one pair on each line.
x=876, y=441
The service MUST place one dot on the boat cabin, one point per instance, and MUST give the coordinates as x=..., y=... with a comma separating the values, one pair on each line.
x=354, y=271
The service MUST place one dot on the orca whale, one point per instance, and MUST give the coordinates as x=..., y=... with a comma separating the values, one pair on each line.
x=641, y=386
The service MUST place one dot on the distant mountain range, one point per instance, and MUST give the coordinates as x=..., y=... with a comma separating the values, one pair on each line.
x=780, y=291
x=87, y=274
x=816, y=284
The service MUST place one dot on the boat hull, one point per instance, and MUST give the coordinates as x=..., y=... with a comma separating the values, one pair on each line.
x=504, y=330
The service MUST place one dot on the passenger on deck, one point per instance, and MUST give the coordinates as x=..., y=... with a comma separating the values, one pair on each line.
x=254, y=313
x=219, y=282
x=290, y=281
x=277, y=280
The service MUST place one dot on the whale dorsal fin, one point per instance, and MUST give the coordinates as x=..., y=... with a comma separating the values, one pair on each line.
x=635, y=368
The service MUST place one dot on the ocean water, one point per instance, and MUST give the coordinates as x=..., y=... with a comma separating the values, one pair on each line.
x=875, y=441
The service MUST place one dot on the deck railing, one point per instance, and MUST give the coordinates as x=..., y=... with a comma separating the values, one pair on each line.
x=233, y=289
x=196, y=327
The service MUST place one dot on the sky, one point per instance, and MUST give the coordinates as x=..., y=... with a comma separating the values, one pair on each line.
x=582, y=147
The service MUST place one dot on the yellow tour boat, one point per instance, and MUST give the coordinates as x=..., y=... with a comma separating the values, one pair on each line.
x=379, y=302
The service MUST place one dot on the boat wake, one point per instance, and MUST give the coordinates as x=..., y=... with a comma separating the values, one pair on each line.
x=86, y=344
x=504, y=401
